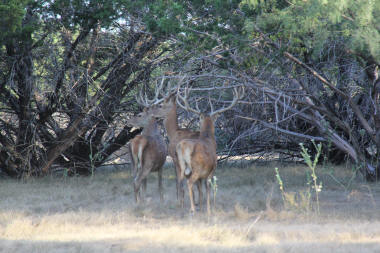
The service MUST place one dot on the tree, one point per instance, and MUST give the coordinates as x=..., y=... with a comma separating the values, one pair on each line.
x=312, y=68
x=70, y=70
x=315, y=65
x=69, y=74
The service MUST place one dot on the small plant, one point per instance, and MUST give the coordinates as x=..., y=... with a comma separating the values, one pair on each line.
x=93, y=159
x=302, y=200
x=65, y=173
x=312, y=164
x=279, y=181
x=214, y=186
x=294, y=200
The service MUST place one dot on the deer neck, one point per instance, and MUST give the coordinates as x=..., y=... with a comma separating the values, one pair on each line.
x=207, y=130
x=171, y=122
x=151, y=128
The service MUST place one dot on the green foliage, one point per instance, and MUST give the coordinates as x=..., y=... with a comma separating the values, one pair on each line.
x=301, y=200
x=11, y=14
x=312, y=164
x=77, y=12
x=279, y=180
x=310, y=24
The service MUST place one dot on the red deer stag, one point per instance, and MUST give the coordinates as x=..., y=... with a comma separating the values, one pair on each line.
x=148, y=150
x=175, y=135
x=197, y=157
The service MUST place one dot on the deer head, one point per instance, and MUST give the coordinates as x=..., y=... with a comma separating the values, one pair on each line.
x=164, y=98
x=141, y=119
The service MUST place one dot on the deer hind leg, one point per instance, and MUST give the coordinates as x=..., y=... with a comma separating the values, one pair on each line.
x=190, y=186
x=181, y=163
x=179, y=184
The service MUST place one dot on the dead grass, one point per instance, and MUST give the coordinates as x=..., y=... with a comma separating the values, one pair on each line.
x=98, y=214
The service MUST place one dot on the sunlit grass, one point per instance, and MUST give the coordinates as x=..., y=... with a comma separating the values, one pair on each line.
x=98, y=214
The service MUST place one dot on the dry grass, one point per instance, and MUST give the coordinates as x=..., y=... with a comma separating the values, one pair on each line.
x=98, y=214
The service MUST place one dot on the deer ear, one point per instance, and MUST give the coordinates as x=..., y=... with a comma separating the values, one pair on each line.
x=171, y=97
x=215, y=116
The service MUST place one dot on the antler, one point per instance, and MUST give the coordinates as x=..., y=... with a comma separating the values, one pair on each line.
x=145, y=101
x=238, y=95
x=185, y=105
x=159, y=90
x=183, y=102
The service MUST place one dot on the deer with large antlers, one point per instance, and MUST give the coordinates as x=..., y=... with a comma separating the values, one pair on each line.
x=197, y=157
x=174, y=132
x=175, y=135
x=148, y=150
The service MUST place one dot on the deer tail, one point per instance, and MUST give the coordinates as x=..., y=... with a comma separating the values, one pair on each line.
x=188, y=171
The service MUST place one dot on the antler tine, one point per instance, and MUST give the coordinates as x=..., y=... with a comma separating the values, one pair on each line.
x=185, y=101
x=157, y=92
x=145, y=101
x=140, y=99
x=211, y=105
x=238, y=94
x=170, y=89
x=174, y=89
x=159, y=89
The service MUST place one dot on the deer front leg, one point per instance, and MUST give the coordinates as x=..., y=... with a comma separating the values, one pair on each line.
x=139, y=179
x=180, y=173
x=182, y=194
x=160, y=185
x=134, y=162
x=136, y=187
x=200, y=194
x=208, y=196
x=144, y=182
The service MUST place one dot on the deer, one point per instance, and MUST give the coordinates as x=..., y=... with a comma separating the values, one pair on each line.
x=147, y=150
x=168, y=109
x=175, y=135
x=197, y=157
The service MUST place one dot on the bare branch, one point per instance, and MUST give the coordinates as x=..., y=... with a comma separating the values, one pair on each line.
x=317, y=138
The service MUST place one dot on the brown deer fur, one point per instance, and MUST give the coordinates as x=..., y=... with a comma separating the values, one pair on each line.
x=148, y=151
x=175, y=135
x=197, y=159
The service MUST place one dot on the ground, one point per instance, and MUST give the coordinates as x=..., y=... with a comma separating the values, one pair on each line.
x=98, y=213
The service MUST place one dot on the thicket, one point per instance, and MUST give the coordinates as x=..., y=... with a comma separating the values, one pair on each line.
x=70, y=70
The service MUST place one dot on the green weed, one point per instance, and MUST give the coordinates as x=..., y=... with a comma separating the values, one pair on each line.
x=301, y=200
